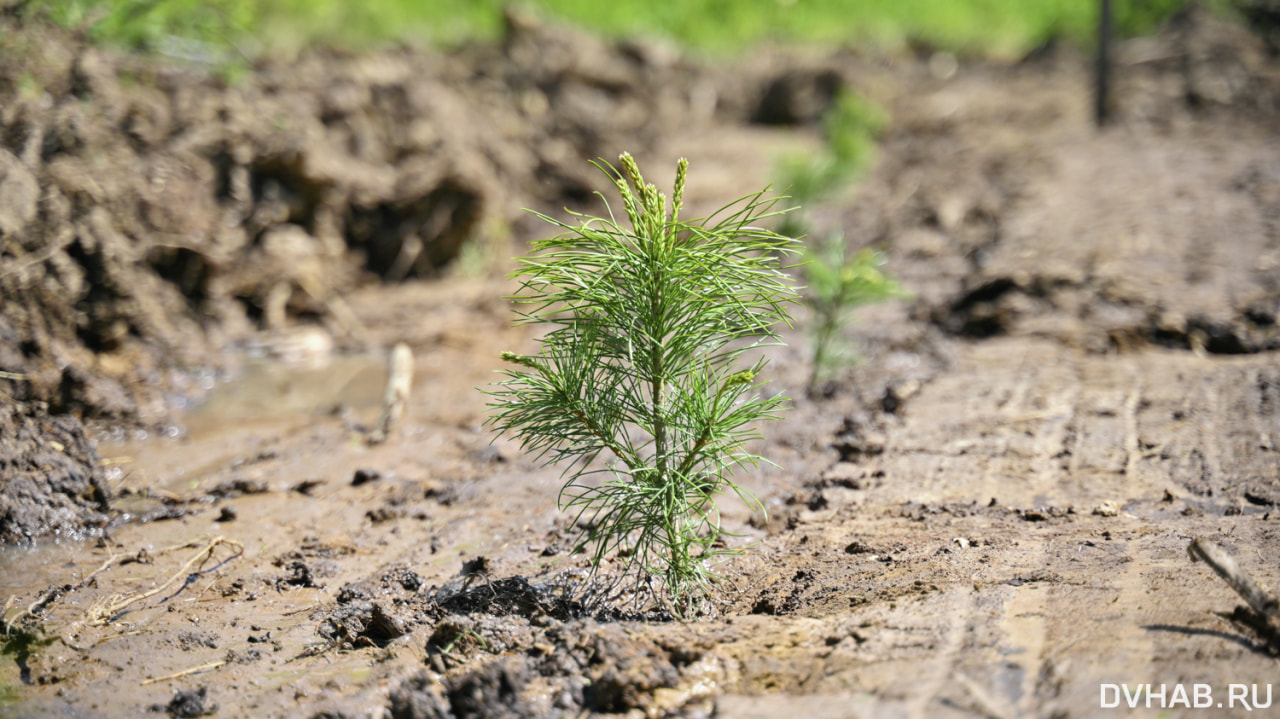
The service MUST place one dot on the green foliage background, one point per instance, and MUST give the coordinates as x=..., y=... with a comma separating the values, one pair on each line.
x=981, y=27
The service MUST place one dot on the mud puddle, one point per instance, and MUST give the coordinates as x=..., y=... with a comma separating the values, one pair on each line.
x=271, y=391
x=269, y=397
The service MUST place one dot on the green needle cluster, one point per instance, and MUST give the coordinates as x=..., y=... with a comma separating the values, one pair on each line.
x=643, y=367
x=837, y=285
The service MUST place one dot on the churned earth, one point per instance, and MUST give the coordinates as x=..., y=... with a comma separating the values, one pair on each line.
x=989, y=516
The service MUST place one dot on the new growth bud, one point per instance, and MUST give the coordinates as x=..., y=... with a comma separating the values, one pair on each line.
x=633, y=171
x=677, y=194
x=523, y=360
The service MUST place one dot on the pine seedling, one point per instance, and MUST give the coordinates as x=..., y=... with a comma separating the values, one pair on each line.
x=644, y=367
x=837, y=285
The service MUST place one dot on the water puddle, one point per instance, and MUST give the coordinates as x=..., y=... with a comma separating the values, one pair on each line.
x=269, y=398
x=270, y=393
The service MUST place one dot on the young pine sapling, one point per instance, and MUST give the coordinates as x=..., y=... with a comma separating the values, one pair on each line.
x=643, y=366
x=838, y=284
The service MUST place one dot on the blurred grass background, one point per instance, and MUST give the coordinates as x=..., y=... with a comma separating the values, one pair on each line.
x=989, y=28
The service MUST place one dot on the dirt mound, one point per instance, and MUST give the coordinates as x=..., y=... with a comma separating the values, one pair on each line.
x=1199, y=63
x=504, y=646
x=467, y=613
x=52, y=484
x=153, y=217
x=560, y=670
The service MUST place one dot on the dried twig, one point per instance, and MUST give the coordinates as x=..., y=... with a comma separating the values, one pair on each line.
x=1226, y=567
x=102, y=612
x=121, y=635
x=185, y=672
x=4, y=621
x=399, y=382
x=105, y=565
x=48, y=597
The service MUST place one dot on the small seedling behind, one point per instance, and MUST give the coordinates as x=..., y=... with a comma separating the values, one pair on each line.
x=837, y=285
x=850, y=130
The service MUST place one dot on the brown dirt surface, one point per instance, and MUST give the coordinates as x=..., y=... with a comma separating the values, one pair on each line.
x=989, y=516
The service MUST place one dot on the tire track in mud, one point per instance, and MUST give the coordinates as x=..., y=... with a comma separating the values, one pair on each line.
x=1109, y=459
x=1008, y=442
x=1140, y=623
x=1125, y=645
x=1045, y=406
x=1050, y=405
x=1011, y=442
x=941, y=669
x=1206, y=433
x=1084, y=600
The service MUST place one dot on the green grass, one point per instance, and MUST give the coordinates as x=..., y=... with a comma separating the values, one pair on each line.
x=148, y=23
x=1000, y=28
x=981, y=27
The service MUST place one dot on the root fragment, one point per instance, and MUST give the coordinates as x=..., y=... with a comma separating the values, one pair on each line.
x=102, y=612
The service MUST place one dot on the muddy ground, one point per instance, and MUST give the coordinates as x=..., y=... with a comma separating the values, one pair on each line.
x=988, y=517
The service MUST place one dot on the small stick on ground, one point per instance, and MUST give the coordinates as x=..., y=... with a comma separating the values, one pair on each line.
x=105, y=566
x=1226, y=567
x=121, y=635
x=293, y=612
x=4, y=621
x=185, y=672
x=399, y=382
x=102, y=613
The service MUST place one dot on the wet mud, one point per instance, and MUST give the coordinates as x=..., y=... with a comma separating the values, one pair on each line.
x=989, y=516
x=54, y=483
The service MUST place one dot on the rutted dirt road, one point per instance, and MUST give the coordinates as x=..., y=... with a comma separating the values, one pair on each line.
x=988, y=517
